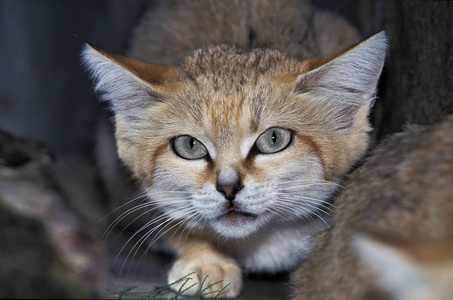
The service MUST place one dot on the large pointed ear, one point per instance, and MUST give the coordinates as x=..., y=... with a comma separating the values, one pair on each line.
x=129, y=85
x=346, y=82
x=132, y=88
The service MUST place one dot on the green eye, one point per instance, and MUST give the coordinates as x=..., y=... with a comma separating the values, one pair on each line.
x=273, y=140
x=189, y=147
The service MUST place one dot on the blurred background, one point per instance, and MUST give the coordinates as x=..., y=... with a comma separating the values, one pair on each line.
x=44, y=92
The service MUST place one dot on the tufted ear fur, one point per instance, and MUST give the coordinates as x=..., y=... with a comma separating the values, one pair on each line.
x=346, y=82
x=127, y=84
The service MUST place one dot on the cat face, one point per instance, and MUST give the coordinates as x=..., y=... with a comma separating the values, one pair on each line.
x=234, y=141
x=231, y=163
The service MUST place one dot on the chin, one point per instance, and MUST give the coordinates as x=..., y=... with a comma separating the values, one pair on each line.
x=236, y=225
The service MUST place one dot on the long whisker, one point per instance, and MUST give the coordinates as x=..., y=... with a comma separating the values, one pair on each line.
x=307, y=211
x=140, y=242
x=147, y=212
x=303, y=198
x=297, y=183
x=150, y=223
x=200, y=217
x=158, y=236
x=122, y=216
x=304, y=209
x=149, y=233
x=315, y=203
x=119, y=207
x=298, y=202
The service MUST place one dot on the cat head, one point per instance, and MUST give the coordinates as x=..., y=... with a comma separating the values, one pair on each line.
x=233, y=140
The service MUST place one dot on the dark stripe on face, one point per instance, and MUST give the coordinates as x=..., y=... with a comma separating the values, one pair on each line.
x=317, y=150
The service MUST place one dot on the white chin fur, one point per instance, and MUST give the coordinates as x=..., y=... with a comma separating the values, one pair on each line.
x=237, y=227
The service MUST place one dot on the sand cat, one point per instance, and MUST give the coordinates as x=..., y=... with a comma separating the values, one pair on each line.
x=392, y=232
x=239, y=118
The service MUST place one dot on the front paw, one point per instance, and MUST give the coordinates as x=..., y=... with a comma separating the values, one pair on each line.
x=208, y=278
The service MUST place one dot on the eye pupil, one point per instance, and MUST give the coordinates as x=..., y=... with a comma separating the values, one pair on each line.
x=274, y=137
x=191, y=143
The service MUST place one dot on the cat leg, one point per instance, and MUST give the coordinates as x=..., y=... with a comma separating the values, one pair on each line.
x=210, y=271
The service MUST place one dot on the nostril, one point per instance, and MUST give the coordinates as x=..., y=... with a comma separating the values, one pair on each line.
x=229, y=190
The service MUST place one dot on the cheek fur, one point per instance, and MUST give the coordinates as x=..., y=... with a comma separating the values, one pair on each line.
x=189, y=172
x=281, y=163
x=204, y=176
x=252, y=168
x=146, y=161
x=290, y=178
x=163, y=167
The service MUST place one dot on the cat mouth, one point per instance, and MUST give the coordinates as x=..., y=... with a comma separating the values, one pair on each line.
x=236, y=223
x=237, y=215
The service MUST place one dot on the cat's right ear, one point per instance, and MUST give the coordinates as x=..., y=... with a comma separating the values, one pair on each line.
x=346, y=82
x=127, y=84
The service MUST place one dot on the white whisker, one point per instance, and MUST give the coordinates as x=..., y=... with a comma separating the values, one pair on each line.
x=302, y=202
x=122, y=216
x=150, y=223
x=119, y=207
x=140, y=242
x=158, y=236
x=200, y=217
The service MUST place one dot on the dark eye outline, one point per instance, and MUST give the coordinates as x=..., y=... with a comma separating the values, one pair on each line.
x=175, y=149
x=258, y=150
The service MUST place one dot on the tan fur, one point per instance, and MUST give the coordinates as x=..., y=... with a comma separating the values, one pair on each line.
x=401, y=200
x=238, y=69
x=415, y=269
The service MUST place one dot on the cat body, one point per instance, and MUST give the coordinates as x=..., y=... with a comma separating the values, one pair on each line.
x=392, y=232
x=237, y=132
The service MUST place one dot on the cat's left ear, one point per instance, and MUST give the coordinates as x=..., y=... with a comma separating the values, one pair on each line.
x=132, y=88
x=127, y=84
x=347, y=81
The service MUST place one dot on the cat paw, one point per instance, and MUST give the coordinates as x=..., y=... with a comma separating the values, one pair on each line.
x=207, y=276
